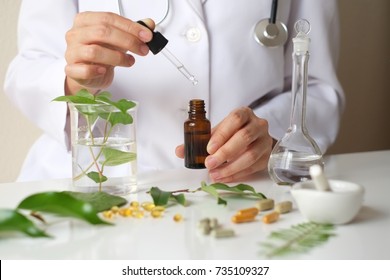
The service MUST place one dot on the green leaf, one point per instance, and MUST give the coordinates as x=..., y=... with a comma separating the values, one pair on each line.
x=97, y=177
x=115, y=118
x=101, y=201
x=212, y=190
x=61, y=204
x=299, y=238
x=13, y=221
x=103, y=94
x=81, y=97
x=115, y=157
x=241, y=189
x=123, y=104
x=161, y=198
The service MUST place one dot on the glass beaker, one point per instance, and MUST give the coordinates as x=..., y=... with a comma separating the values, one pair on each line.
x=293, y=155
x=104, y=148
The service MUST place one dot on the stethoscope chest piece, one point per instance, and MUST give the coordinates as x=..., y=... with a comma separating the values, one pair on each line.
x=270, y=34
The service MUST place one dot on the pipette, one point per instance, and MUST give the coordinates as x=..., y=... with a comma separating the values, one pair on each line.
x=158, y=43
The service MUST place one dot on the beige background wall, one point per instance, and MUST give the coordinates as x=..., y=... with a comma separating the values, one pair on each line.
x=364, y=71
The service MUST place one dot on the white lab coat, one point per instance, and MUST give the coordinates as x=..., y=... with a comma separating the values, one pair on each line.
x=214, y=40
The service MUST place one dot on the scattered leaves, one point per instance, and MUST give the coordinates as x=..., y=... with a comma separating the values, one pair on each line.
x=162, y=198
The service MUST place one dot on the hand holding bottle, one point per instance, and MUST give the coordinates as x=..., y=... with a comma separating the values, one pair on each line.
x=240, y=145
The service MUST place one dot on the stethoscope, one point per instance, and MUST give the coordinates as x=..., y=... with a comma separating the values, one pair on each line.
x=268, y=32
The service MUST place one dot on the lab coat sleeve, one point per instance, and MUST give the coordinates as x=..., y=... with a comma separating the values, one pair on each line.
x=325, y=97
x=36, y=75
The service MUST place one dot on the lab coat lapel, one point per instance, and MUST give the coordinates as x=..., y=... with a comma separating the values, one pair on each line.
x=99, y=5
x=197, y=7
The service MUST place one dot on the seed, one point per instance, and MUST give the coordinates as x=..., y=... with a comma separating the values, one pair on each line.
x=265, y=204
x=178, y=218
x=283, y=207
x=271, y=217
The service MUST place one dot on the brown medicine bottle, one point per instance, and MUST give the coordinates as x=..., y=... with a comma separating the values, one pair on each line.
x=197, y=132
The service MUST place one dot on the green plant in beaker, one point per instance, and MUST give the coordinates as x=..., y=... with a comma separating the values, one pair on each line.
x=103, y=140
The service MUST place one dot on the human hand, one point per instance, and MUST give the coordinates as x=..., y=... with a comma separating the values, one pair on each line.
x=97, y=43
x=240, y=145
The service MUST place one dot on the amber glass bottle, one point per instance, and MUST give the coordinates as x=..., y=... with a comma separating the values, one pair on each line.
x=197, y=132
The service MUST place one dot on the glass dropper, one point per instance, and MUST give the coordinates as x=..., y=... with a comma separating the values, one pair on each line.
x=158, y=43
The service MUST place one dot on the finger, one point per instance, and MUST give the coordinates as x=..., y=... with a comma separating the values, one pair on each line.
x=179, y=151
x=237, y=144
x=254, y=159
x=98, y=55
x=106, y=35
x=84, y=71
x=111, y=19
x=227, y=128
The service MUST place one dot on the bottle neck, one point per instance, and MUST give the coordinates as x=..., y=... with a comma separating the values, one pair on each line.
x=196, y=109
x=299, y=91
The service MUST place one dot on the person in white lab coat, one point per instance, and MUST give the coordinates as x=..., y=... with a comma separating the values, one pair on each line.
x=246, y=87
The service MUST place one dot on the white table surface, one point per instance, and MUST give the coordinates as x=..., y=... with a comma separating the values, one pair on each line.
x=366, y=237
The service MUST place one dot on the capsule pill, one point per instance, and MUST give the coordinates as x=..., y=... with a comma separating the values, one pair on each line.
x=159, y=208
x=156, y=213
x=178, y=218
x=213, y=223
x=271, y=217
x=134, y=204
x=148, y=206
x=243, y=218
x=222, y=233
x=265, y=204
x=138, y=214
x=248, y=211
x=107, y=214
x=283, y=207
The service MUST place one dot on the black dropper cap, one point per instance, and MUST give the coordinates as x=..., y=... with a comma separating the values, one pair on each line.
x=158, y=41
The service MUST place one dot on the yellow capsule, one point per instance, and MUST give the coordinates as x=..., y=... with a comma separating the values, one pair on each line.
x=156, y=213
x=107, y=214
x=248, y=211
x=122, y=211
x=134, y=204
x=148, y=206
x=271, y=217
x=159, y=208
x=243, y=218
x=114, y=209
x=137, y=214
x=127, y=212
x=178, y=218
